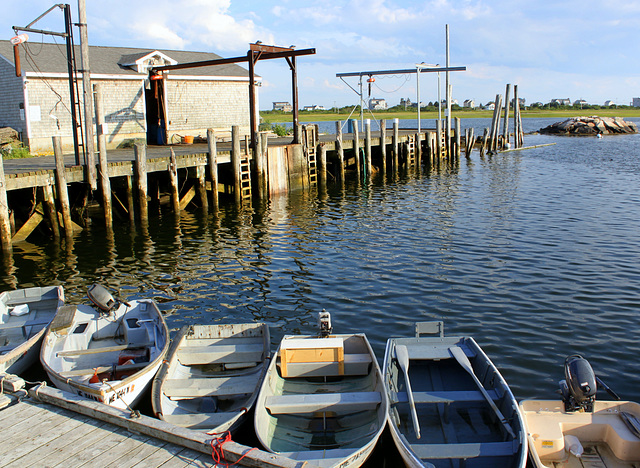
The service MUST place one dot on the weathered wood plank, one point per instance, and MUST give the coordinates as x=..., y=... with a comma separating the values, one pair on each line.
x=149, y=426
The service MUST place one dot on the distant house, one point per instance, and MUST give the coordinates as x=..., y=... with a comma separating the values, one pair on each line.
x=282, y=106
x=158, y=110
x=377, y=104
x=490, y=106
x=561, y=102
x=580, y=102
x=636, y=102
x=313, y=108
x=609, y=103
x=469, y=103
x=405, y=102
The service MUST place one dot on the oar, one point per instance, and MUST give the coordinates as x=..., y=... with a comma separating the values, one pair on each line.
x=462, y=359
x=403, y=360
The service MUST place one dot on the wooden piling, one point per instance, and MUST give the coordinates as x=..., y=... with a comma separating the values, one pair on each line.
x=495, y=119
x=201, y=182
x=130, y=203
x=507, y=105
x=457, y=119
x=396, y=143
x=340, y=150
x=322, y=163
x=61, y=183
x=383, y=144
x=5, y=223
x=50, y=210
x=140, y=152
x=212, y=164
x=439, y=148
x=356, y=145
x=367, y=147
x=173, y=180
x=236, y=161
x=105, y=183
x=261, y=165
x=485, y=137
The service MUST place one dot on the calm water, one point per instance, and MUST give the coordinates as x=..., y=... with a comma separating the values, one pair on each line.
x=534, y=253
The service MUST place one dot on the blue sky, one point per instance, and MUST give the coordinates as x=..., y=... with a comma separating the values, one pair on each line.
x=563, y=49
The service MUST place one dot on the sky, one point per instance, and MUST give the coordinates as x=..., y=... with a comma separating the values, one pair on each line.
x=572, y=49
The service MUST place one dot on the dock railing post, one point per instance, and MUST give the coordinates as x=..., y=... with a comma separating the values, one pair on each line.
x=140, y=151
x=61, y=183
x=340, y=150
x=212, y=161
x=5, y=223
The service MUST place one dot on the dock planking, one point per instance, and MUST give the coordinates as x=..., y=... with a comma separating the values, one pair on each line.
x=42, y=434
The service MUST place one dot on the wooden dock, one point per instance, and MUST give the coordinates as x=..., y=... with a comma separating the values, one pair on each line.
x=53, y=428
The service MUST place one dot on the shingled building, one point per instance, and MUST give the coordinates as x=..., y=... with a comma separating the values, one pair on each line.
x=181, y=103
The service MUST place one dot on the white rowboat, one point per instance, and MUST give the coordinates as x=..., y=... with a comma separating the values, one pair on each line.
x=24, y=316
x=108, y=356
x=211, y=376
x=449, y=405
x=322, y=401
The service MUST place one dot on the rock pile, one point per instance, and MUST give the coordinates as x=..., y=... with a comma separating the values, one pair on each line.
x=591, y=126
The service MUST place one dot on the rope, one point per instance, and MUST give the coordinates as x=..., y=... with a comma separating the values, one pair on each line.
x=219, y=439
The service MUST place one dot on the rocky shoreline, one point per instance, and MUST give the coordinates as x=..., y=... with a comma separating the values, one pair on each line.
x=593, y=125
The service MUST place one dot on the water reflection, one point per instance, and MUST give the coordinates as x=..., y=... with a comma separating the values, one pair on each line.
x=534, y=253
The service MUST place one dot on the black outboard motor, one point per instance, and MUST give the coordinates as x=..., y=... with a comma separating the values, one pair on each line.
x=580, y=387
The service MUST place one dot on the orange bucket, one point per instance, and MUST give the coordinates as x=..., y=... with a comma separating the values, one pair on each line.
x=187, y=139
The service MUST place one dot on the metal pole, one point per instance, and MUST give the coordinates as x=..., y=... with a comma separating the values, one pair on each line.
x=87, y=94
x=74, y=118
x=252, y=104
x=448, y=92
x=418, y=93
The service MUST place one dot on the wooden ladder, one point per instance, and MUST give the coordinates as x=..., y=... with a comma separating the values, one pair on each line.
x=309, y=147
x=245, y=173
x=411, y=155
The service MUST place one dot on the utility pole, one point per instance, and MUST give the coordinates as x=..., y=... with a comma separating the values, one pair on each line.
x=87, y=94
x=448, y=91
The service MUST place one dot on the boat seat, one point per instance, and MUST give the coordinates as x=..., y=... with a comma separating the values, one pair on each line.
x=427, y=352
x=221, y=354
x=467, y=450
x=323, y=402
x=202, y=387
x=200, y=420
x=330, y=457
x=353, y=364
x=104, y=349
x=446, y=397
x=101, y=369
x=23, y=323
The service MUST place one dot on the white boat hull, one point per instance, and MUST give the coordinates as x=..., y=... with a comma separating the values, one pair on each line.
x=21, y=336
x=110, y=358
x=603, y=435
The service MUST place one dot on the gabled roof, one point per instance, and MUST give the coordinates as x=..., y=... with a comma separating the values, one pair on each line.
x=51, y=58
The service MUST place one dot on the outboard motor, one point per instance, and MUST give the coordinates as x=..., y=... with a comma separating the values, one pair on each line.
x=580, y=387
x=102, y=298
x=324, y=322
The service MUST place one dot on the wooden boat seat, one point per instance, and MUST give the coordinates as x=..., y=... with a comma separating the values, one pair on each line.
x=323, y=402
x=104, y=349
x=63, y=319
x=447, y=397
x=330, y=457
x=199, y=420
x=468, y=450
x=426, y=352
x=202, y=387
x=354, y=364
x=221, y=354
x=101, y=369
x=23, y=324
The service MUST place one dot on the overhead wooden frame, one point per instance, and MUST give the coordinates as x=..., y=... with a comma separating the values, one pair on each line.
x=257, y=51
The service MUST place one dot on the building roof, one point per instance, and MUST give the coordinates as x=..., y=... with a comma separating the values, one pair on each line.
x=51, y=58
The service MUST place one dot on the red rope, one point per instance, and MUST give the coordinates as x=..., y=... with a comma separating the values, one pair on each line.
x=219, y=439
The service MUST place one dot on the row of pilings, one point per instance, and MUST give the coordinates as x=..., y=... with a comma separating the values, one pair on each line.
x=57, y=201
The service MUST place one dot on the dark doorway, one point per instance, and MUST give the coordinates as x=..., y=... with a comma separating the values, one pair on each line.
x=156, y=124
